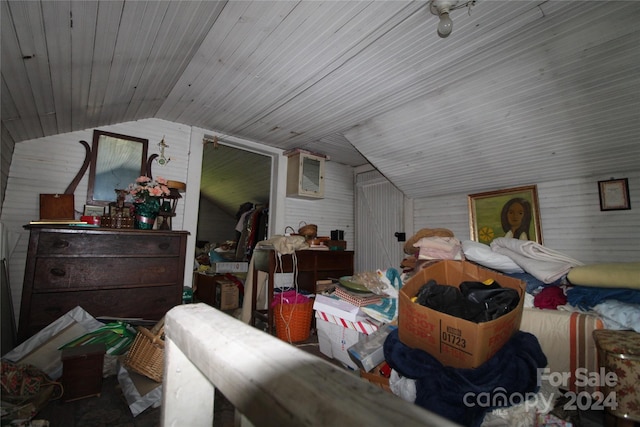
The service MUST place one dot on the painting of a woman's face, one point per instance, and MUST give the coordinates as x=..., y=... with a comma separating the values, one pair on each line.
x=515, y=215
x=512, y=213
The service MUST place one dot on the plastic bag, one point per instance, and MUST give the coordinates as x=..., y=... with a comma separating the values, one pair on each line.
x=289, y=297
x=117, y=338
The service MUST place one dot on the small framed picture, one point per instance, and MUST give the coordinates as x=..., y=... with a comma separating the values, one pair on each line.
x=512, y=212
x=614, y=194
x=90, y=210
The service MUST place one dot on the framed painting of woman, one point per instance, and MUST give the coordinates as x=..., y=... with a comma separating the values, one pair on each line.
x=512, y=212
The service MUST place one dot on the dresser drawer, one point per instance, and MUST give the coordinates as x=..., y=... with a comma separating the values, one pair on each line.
x=334, y=260
x=107, y=272
x=147, y=303
x=104, y=272
x=123, y=244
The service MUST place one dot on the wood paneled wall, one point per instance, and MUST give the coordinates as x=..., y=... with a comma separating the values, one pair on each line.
x=570, y=216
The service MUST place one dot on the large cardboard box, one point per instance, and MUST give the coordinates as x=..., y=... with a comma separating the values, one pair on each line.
x=452, y=340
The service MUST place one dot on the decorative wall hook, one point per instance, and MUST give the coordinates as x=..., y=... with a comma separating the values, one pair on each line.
x=162, y=160
x=208, y=139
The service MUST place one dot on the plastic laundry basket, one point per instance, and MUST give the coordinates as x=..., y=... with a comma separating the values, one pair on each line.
x=293, y=321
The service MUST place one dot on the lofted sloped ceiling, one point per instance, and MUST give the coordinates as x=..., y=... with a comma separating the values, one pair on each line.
x=521, y=91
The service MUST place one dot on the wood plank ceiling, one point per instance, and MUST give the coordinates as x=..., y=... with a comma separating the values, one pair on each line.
x=539, y=89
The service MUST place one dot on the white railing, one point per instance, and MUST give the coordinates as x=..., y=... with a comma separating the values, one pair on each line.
x=270, y=382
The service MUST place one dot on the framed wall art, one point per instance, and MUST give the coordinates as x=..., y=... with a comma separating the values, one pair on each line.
x=614, y=194
x=512, y=212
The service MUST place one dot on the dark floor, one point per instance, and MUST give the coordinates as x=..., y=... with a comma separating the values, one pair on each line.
x=111, y=409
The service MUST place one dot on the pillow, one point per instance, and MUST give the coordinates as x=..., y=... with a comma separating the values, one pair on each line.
x=483, y=255
x=607, y=275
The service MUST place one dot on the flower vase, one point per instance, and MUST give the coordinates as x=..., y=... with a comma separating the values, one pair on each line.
x=146, y=213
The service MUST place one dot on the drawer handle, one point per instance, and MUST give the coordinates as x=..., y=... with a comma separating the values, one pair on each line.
x=164, y=246
x=58, y=272
x=60, y=244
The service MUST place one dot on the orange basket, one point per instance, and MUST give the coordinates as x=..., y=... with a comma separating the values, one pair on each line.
x=293, y=321
x=146, y=355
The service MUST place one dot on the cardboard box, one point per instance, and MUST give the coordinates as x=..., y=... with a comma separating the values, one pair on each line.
x=375, y=377
x=338, y=307
x=365, y=326
x=335, y=340
x=217, y=291
x=452, y=340
x=139, y=391
x=41, y=350
x=227, y=295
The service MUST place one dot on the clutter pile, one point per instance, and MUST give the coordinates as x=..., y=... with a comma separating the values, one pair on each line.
x=443, y=334
x=354, y=316
x=67, y=360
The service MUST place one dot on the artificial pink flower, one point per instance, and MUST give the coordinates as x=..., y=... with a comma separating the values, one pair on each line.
x=145, y=187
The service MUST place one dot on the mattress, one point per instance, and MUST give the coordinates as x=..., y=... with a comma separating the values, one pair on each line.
x=566, y=339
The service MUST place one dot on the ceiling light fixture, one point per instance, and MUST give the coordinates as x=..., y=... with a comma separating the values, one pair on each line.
x=441, y=8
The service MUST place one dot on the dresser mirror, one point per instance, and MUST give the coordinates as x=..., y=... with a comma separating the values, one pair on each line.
x=116, y=161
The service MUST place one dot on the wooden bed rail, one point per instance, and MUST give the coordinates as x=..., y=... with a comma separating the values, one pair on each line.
x=270, y=382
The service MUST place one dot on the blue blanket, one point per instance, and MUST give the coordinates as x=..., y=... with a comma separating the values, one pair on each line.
x=444, y=390
x=586, y=297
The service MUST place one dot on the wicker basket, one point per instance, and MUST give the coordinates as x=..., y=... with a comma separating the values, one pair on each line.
x=146, y=355
x=293, y=321
x=309, y=231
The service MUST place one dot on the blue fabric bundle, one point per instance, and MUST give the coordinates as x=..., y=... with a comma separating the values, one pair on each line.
x=531, y=282
x=442, y=389
x=586, y=297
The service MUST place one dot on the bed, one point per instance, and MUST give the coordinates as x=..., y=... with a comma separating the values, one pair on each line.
x=596, y=296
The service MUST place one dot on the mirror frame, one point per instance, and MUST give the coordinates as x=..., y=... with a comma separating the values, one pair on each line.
x=112, y=141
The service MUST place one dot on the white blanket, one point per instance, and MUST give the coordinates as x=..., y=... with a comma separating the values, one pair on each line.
x=543, y=263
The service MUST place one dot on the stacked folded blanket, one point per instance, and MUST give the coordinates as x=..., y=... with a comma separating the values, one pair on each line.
x=541, y=262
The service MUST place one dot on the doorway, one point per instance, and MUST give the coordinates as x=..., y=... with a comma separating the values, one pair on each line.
x=231, y=178
x=380, y=214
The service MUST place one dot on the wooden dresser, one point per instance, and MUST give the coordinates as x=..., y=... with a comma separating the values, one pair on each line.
x=108, y=272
